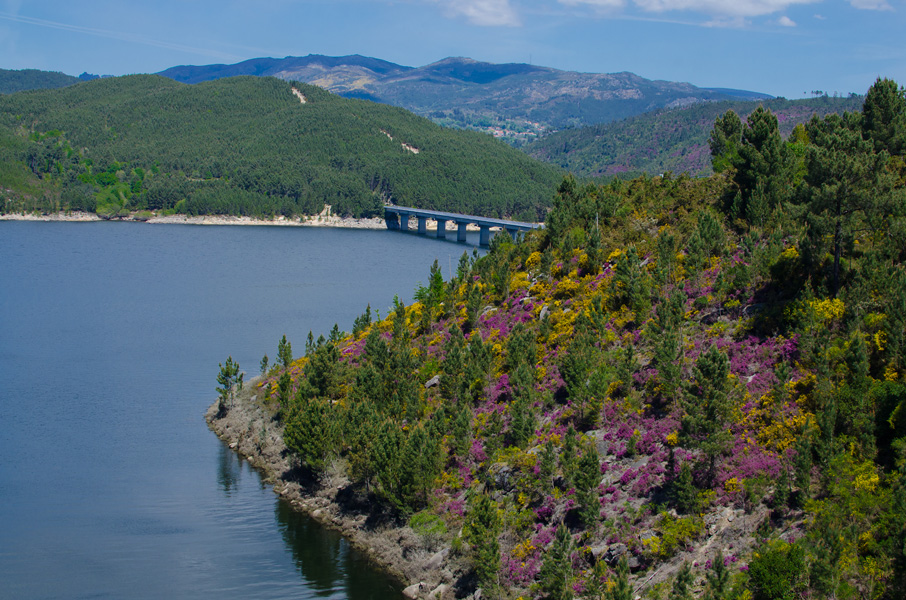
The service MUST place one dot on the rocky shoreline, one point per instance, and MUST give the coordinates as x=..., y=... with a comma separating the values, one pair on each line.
x=420, y=565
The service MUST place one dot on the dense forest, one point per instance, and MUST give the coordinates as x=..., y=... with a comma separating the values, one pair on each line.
x=679, y=388
x=248, y=146
x=32, y=79
x=665, y=140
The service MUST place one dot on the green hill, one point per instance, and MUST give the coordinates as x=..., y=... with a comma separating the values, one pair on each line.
x=33, y=79
x=249, y=146
x=679, y=388
x=666, y=140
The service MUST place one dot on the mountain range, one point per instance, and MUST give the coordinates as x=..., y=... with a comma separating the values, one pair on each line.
x=515, y=101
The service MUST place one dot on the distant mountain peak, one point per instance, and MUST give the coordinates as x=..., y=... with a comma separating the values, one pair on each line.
x=506, y=100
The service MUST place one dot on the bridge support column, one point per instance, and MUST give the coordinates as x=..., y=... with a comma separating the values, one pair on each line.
x=404, y=222
x=514, y=233
x=392, y=220
x=461, y=231
x=441, y=229
x=484, y=236
x=422, y=228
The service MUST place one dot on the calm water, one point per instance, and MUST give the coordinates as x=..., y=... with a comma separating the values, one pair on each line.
x=111, y=485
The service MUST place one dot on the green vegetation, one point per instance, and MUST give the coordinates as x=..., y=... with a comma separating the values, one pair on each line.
x=247, y=146
x=32, y=79
x=667, y=140
x=779, y=396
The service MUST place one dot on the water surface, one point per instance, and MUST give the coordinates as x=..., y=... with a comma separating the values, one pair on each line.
x=111, y=485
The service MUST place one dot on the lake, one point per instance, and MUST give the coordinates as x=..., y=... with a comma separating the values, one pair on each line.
x=111, y=485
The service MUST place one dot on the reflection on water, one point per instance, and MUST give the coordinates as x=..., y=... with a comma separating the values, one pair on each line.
x=326, y=560
x=229, y=470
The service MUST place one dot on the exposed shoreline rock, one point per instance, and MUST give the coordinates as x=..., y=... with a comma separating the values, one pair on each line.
x=249, y=429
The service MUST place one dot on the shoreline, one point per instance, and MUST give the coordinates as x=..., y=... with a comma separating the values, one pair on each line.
x=422, y=568
x=311, y=221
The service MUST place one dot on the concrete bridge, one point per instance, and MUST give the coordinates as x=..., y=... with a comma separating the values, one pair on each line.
x=397, y=218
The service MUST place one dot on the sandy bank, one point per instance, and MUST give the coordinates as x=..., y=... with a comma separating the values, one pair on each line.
x=422, y=566
x=312, y=221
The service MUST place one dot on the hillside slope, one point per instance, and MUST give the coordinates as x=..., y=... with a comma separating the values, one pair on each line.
x=33, y=79
x=675, y=390
x=666, y=140
x=251, y=145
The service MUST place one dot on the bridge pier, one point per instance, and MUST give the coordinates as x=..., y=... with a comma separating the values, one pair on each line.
x=397, y=218
x=461, y=231
x=484, y=236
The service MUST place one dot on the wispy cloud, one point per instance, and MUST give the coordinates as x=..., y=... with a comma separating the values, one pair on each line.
x=871, y=4
x=785, y=21
x=117, y=35
x=488, y=13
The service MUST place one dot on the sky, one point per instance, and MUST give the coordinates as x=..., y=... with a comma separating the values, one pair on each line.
x=784, y=48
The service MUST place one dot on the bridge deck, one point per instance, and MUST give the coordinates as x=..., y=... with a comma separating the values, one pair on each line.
x=461, y=218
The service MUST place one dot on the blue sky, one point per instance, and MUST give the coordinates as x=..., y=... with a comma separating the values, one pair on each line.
x=780, y=47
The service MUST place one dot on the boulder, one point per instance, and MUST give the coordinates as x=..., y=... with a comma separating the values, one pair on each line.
x=415, y=590
x=433, y=382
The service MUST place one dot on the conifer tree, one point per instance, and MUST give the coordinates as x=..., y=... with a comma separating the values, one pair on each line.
x=724, y=141
x=682, y=585
x=557, y=571
x=708, y=407
x=285, y=352
x=482, y=528
x=621, y=589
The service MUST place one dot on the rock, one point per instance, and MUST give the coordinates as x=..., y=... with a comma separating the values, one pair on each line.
x=439, y=592
x=433, y=382
x=414, y=590
x=502, y=475
x=436, y=561
x=614, y=552
x=633, y=563
x=544, y=312
x=647, y=535
x=487, y=311
x=598, y=551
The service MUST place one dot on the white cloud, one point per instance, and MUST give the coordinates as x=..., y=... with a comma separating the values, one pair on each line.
x=606, y=4
x=785, y=21
x=725, y=8
x=483, y=12
x=871, y=4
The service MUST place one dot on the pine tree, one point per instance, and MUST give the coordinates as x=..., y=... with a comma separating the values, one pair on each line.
x=762, y=168
x=285, y=352
x=228, y=379
x=621, y=589
x=708, y=407
x=884, y=116
x=557, y=571
x=588, y=475
x=482, y=528
x=724, y=141
x=717, y=585
x=682, y=585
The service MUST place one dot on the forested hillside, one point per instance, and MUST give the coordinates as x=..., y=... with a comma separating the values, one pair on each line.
x=248, y=146
x=666, y=140
x=32, y=79
x=680, y=388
